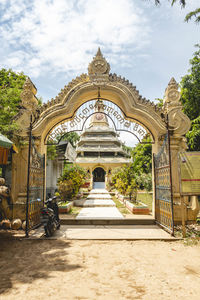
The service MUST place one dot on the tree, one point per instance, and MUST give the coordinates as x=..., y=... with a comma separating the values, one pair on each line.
x=11, y=86
x=193, y=136
x=142, y=164
x=124, y=181
x=190, y=98
x=70, y=181
x=190, y=88
x=190, y=15
x=142, y=157
x=71, y=137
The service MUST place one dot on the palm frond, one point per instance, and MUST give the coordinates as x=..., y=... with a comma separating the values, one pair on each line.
x=195, y=13
x=182, y=2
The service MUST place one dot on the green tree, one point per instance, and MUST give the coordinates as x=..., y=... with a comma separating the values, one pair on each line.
x=11, y=86
x=193, y=136
x=142, y=157
x=142, y=164
x=70, y=181
x=51, y=152
x=190, y=98
x=190, y=88
x=71, y=137
x=124, y=181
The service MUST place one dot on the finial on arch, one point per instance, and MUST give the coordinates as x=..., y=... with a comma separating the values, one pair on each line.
x=173, y=83
x=99, y=53
x=99, y=66
x=172, y=95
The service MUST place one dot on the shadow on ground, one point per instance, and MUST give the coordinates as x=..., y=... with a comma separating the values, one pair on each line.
x=23, y=261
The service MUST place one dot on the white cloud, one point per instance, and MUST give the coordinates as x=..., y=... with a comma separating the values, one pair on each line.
x=63, y=35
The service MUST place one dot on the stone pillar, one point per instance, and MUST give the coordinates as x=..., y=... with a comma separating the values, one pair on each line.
x=178, y=124
x=20, y=160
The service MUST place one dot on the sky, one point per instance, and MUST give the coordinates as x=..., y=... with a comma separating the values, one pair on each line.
x=53, y=41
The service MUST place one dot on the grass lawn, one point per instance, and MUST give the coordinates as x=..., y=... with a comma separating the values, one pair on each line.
x=123, y=210
x=145, y=198
x=75, y=211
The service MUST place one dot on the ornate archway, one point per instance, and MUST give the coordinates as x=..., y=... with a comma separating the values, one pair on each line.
x=118, y=91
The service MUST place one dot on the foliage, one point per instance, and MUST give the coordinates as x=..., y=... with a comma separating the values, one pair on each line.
x=51, y=152
x=160, y=102
x=142, y=157
x=193, y=136
x=11, y=86
x=144, y=181
x=195, y=13
x=124, y=181
x=70, y=181
x=71, y=137
x=127, y=149
x=182, y=2
x=190, y=15
x=190, y=98
x=142, y=164
x=190, y=88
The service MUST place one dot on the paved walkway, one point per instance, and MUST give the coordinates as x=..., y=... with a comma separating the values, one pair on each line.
x=90, y=232
x=99, y=205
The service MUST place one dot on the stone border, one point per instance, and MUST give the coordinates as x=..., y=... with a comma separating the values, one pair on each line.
x=141, y=209
x=65, y=208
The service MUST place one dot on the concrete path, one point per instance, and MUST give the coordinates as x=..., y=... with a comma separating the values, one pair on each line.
x=99, y=205
x=96, y=213
x=98, y=202
x=89, y=232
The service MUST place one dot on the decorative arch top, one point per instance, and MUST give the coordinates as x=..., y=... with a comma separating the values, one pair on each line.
x=117, y=90
x=87, y=110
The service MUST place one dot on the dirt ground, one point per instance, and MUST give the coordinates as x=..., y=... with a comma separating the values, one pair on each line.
x=61, y=269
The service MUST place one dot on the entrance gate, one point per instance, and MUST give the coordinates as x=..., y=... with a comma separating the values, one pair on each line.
x=163, y=187
x=83, y=91
x=35, y=186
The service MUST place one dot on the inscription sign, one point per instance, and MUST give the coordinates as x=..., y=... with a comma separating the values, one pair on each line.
x=86, y=110
x=190, y=173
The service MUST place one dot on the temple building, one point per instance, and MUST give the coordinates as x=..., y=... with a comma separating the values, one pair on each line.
x=54, y=168
x=99, y=149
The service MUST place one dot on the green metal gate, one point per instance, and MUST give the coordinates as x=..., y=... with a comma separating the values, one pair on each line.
x=163, y=187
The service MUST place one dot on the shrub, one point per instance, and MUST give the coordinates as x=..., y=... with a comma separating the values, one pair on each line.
x=70, y=181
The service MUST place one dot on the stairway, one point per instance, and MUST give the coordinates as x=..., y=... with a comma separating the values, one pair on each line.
x=100, y=209
x=99, y=206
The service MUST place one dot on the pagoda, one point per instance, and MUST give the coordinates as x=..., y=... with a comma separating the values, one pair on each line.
x=99, y=149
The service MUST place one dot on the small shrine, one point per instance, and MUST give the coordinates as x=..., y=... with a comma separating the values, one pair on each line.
x=99, y=149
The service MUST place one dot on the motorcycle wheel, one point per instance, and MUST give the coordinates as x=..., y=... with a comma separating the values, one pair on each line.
x=47, y=231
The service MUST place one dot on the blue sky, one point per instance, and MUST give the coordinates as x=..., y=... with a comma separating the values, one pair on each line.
x=53, y=41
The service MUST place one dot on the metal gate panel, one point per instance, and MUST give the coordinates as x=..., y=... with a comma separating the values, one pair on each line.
x=163, y=187
x=36, y=185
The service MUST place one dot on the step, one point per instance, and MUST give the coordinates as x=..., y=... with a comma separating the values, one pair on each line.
x=94, y=203
x=115, y=222
x=99, y=191
x=99, y=196
x=96, y=213
x=98, y=232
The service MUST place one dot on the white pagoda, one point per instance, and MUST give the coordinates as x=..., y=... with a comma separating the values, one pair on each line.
x=99, y=149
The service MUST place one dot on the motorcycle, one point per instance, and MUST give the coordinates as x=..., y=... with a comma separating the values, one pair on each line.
x=50, y=216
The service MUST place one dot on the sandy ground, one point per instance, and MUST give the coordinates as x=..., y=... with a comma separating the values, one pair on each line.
x=59, y=269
